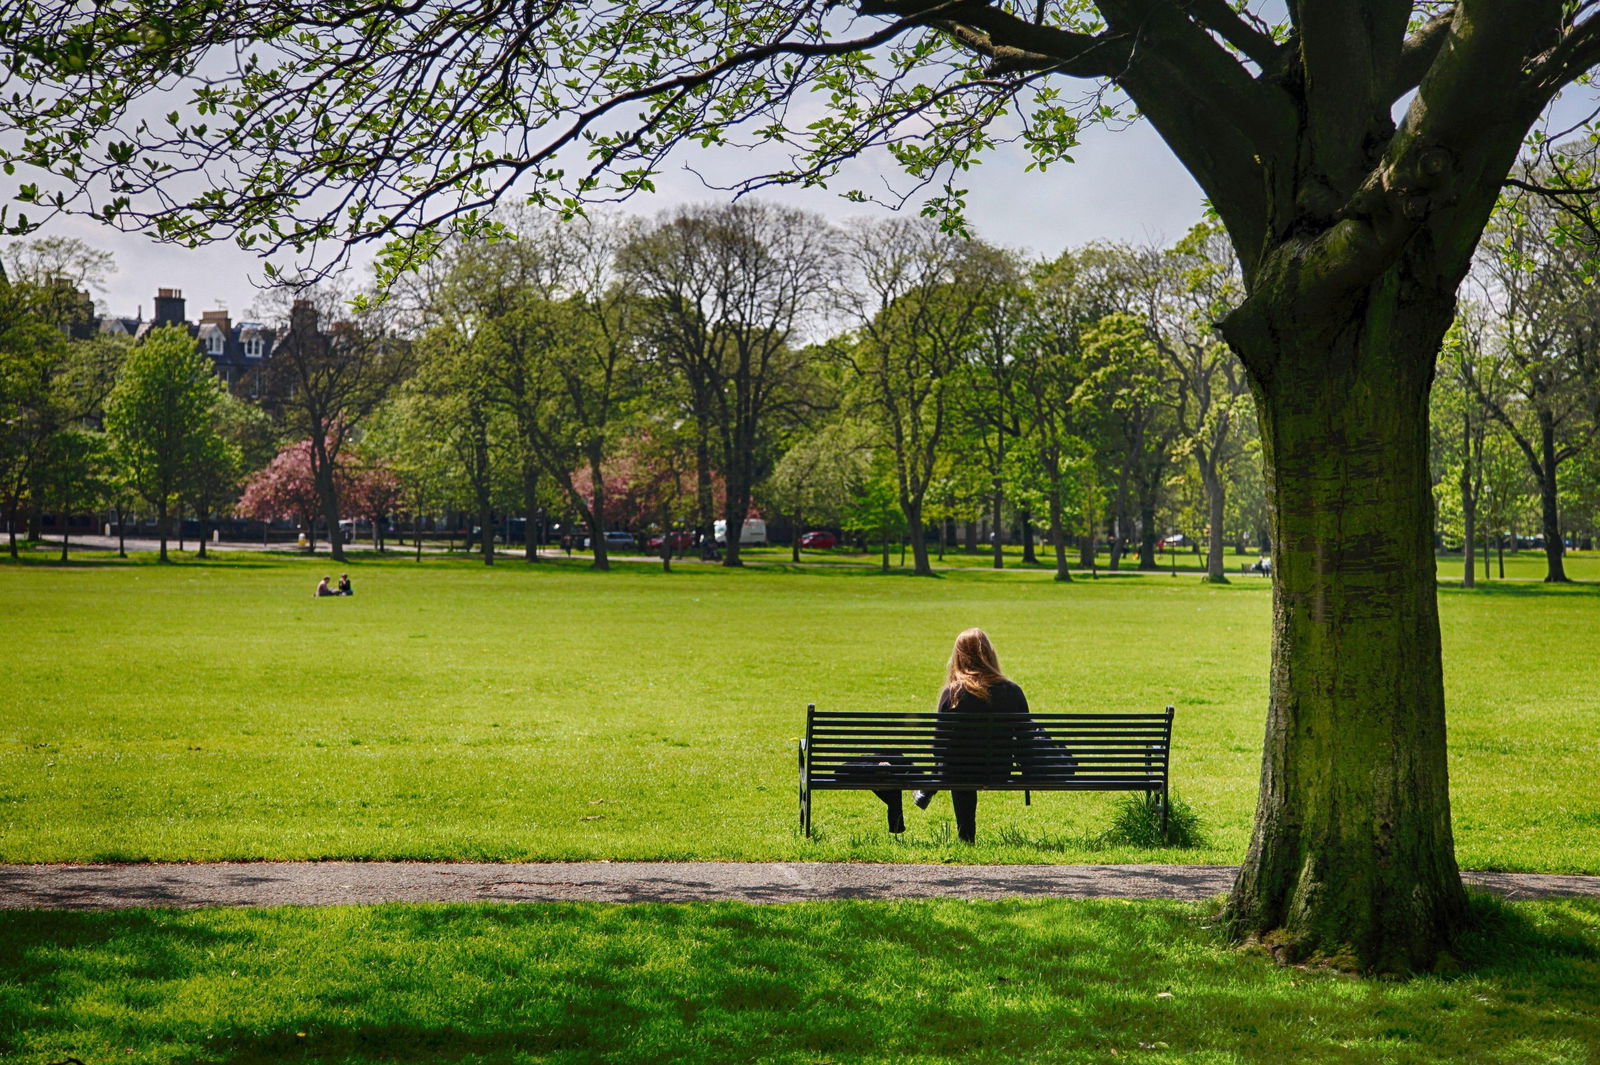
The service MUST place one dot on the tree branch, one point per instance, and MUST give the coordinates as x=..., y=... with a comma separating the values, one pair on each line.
x=1419, y=52
x=1569, y=58
x=992, y=32
x=1217, y=16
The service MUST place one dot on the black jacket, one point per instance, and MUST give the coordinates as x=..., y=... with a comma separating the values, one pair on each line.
x=977, y=741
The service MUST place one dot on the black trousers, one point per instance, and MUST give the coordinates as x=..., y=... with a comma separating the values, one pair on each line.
x=896, y=805
x=869, y=767
x=966, y=807
x=965, y=804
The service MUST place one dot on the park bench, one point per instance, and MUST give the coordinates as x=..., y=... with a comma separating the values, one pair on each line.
x=845, y=750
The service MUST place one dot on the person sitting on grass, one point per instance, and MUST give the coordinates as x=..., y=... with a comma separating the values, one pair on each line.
x=344, y=585
x=323, y=589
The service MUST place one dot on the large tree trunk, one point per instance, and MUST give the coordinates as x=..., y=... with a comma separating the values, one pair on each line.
x=486, y=531
x=996, y=501
x=733, y=515
x=1025, y=519
x=1216, y=497
x=161, y=528
x=1549, y=508
x=1058, y=538
x=597, y=511
x=1120, y=523
x=666, y=539
x=328, y=497
x=1469, y=504
x=1147, y=526
x=1351, y=857
x=920, y=564
x=705, y=501
x=530, y=508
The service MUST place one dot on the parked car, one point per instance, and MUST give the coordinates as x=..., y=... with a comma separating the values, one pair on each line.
x=819, y=539
x=1175, y=541
x=615, y=538
x=753, y=533
x=682, y=540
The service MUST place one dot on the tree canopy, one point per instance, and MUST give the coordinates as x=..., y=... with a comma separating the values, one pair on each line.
x=215, y=118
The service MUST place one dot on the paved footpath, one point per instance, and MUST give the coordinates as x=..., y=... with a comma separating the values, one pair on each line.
x=105, y=887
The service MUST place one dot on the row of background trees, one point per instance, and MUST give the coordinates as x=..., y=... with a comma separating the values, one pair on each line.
x=886, y=378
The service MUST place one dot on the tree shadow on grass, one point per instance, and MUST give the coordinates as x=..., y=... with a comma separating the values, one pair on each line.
x=949, y=981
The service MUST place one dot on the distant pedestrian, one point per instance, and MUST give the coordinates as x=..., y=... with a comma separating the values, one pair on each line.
x=323, y=589
x=344, y=585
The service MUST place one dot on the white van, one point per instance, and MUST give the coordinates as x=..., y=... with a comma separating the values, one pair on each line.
x=753, y=534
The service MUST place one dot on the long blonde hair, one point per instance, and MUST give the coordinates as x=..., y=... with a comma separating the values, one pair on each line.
x=973, y=665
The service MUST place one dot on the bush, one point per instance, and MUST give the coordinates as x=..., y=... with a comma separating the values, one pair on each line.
x=1137, y=823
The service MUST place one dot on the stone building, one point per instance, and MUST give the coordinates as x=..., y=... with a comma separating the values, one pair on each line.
x=237, y=350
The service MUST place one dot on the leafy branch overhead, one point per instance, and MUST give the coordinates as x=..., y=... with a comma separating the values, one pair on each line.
x=283, y=124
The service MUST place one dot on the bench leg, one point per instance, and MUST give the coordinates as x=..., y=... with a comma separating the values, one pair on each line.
x=1027, y=798
x=805, y=813
x=1165, y=806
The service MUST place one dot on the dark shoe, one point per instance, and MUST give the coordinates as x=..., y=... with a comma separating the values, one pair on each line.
x=897, y=823
x=921, y=799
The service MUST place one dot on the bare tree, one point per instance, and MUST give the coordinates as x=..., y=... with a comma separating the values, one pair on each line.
x=1190, y=288
x=330, y=368
x=728, y=294
x=915, y=296
x=1541, y=377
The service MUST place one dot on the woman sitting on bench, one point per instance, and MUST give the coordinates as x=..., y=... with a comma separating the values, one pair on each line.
x=974, y=683
x=967, y=751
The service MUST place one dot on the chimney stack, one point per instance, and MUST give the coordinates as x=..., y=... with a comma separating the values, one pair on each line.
x=169, y=307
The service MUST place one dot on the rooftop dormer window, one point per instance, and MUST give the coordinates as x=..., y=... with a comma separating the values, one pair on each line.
x=253, y=346
x=214, y=343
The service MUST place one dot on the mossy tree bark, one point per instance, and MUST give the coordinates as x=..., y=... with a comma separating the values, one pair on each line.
x=1353, y=233
x=1351, y=854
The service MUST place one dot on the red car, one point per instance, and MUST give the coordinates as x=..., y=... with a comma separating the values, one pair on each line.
x=818, y=539
x=682, y=540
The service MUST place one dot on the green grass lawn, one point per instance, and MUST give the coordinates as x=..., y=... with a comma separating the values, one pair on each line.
x=453, y=711
x=840, y=982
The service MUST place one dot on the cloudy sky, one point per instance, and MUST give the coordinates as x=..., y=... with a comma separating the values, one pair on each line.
x=1124, y=185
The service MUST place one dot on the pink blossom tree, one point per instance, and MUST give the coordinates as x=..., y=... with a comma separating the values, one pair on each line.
x=648, y=481
x=285, y=488
x=371, y=493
